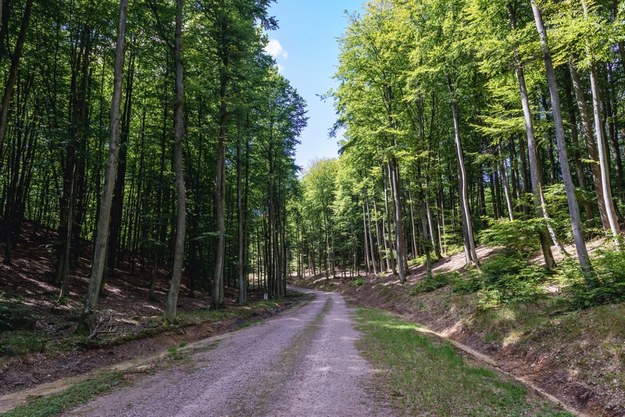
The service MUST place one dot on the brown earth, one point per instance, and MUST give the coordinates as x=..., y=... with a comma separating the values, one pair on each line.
x=576, y=356
x=132, y=325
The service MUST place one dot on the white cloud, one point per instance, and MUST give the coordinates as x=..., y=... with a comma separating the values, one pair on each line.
x=275, y=49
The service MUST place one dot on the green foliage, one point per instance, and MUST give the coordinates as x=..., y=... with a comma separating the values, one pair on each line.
x=468, y=283
x=609, y=281
x=358, y=282
x=508, y=279
x=16, y=316
x=17, y=343
x=518, y=236
x=435, y=282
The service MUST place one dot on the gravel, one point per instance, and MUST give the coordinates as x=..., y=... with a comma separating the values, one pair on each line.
x=303, y=363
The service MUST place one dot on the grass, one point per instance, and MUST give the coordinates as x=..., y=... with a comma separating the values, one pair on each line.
x=428, y=377
x=57, y=404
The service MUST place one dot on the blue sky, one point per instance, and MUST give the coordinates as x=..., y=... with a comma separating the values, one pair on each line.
x=306, y=50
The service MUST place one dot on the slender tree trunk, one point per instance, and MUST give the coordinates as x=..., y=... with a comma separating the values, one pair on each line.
x=602, y=144
x=220, y=197
x=577, y=155
x=389, y=239
x=576, y=225
x=366, y=238
x=591, y=144
x=535, y=174
x=371, y=243
x=393, y=171
x=176, y=275
x=13, y=71
x=463, y=183
x=506, y=188
x=87, y=319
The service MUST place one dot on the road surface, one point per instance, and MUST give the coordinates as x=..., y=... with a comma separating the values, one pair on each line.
x=303, y=363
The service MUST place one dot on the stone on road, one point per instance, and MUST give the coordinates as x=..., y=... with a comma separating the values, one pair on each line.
x=303, y=363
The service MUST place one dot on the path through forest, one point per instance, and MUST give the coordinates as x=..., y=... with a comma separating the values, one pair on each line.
x=303, y=363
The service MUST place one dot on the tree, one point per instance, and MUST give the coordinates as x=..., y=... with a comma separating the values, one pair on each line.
x=580, y=244
x=176, y=276
x=87, y=318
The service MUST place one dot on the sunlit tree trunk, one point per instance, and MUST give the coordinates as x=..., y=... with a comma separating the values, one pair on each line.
x=465, y=210
x=601, y=144
x=576, y=225
x=535, y=174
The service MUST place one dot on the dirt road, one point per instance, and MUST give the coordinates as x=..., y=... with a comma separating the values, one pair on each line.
x=301, y=364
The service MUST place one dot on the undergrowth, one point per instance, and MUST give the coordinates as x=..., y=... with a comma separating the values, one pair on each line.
x=509, y=278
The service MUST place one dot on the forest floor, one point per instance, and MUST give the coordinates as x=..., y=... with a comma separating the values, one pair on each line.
x=576, y=356
x=37, y=344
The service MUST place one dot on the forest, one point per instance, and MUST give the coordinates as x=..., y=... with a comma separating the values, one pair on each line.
x=149, y=189
x=469, y=123
x=161, y=134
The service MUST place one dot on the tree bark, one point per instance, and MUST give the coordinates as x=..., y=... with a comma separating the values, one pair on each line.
x=86, y=322
x=601, y=144
x=13, y=70
x=576, y=225
x=535, y=174
x=591, y=144
x=399, y=226
x=176, y=275
x=469, y=240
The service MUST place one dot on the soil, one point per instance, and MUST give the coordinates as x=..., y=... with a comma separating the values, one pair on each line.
x=132, y=324
x=577, y=357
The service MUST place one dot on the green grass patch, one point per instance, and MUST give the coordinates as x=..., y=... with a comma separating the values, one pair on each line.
x=81, y=393
x=426, y=376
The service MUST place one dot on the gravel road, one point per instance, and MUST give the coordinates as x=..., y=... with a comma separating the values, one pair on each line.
x=303, y=363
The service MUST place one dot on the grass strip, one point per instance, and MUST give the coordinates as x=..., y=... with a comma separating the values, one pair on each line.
x=428, y=377
x=77, y=394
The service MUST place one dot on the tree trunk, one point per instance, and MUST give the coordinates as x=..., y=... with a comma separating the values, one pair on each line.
x=393, y=171
x=220, y=197
x=86, y=322
x=601, y=144
x=591, y=144
x=576, y=225
x=176, y=275
x=463, y=184
x=535, y=174
x=13, y=70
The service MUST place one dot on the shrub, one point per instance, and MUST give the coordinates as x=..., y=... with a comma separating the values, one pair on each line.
x=357, y=282
x=517, y=236
x=609, y=282
x=508, y=278
x=434, y=282
x=468, y=283
x=15, y=316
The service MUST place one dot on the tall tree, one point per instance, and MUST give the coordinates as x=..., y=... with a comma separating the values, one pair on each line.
x=176, y=276
x=578, y=236
x=87, y=317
